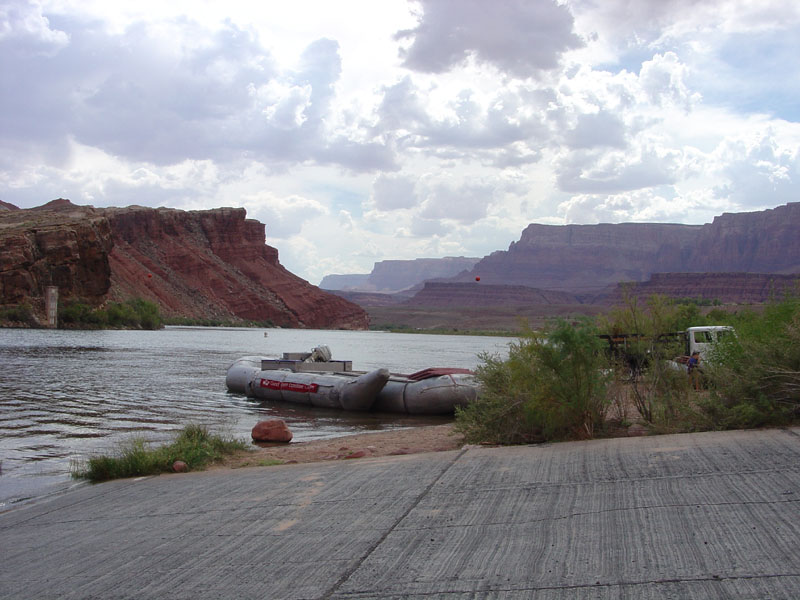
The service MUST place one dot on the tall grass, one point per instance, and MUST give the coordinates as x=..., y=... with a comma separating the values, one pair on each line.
x=195, y=445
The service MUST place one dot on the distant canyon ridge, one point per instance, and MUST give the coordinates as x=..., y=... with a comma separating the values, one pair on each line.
x=564, y=269
x=215, y=264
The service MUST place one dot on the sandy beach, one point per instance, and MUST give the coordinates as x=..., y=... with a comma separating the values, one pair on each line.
x=434, y=438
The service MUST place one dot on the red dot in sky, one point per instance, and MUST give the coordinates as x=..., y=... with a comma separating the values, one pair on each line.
x=477, y=279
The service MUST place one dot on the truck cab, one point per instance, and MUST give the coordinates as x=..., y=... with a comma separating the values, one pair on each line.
x=701, y=339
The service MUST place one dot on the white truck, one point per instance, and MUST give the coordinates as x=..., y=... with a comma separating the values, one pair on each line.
x=701, y=339
x=695, y=339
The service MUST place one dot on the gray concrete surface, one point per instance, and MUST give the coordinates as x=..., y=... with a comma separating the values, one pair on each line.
x=710, y=515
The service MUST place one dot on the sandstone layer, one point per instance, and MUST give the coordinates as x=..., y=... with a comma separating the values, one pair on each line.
x=727, y=288
x=216, y=263
x=198, y=264
x=58, y=244
x=441, y=294
x=583, y=259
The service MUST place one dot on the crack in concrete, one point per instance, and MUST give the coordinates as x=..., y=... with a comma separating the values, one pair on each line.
x=613, y=510
x=347, y=574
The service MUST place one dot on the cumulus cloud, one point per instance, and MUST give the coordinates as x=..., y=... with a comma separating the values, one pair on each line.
x=638, y=205
x=597, y=129
x=392, y=192
x=590, y=172
x=464, y=203
x=662, y=79
x=503, y=129
x=518, y=37
x=173, y=92
x=284, y=217
x=757, y=172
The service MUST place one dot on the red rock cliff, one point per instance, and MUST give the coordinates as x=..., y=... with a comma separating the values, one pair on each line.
x=56, y=244
x=215, y=263
x=200, y=264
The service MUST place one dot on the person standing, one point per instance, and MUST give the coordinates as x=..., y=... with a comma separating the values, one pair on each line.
x=693, y=367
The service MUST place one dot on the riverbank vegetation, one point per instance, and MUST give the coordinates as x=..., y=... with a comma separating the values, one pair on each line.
x=135, y=313
x=564, y=382
x=392, y=328
x=20, y=316
x=194, y=445
x=215, y=322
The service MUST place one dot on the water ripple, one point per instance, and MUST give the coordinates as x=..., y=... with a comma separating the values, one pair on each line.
x=67, y=395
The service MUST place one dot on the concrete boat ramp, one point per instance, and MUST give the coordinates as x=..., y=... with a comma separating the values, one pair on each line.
x=709, y=515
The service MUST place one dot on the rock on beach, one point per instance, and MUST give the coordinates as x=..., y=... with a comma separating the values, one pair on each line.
x=272, y=430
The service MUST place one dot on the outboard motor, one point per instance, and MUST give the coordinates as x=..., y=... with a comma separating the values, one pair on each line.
x=320, y=354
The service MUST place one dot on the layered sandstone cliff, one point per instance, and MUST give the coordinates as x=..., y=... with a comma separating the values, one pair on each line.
x=756, y=242
x=57, y=244
x=727, y=288
x=216, y=263
x=200, y=264
x=587, y=258
x=442, y=294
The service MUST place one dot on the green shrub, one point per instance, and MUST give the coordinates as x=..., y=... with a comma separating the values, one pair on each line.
x=22, y=313
x=122, y=315
x=194, y=445
x=755, y=376
x=131, y=314
x=551, y=387
x=80, y=314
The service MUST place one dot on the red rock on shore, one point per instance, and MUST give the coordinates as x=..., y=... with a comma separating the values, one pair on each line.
x=273, y=430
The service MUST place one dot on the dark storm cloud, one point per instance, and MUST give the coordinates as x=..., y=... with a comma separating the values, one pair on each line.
x=520, y=37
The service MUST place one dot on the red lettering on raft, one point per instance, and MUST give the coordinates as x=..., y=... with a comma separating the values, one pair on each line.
x=289, y=386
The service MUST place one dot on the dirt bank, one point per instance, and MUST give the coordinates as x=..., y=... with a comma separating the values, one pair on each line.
x=434, y=438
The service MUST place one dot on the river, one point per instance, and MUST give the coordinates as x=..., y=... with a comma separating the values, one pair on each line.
x=68, y=395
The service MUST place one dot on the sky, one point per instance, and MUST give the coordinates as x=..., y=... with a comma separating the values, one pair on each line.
x=364, y=130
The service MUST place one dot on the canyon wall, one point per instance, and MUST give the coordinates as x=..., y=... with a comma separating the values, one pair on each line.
x=583, y=259
x=390, y=276
x=56, y=244
x=445, y=294
x=198, y=264
x=727, y=288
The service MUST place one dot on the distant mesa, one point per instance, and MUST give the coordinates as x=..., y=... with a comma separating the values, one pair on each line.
x=393, y=276
x=739, y=257
x=586, y=259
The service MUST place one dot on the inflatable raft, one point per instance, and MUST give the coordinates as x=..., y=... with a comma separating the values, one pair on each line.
x=313, y=379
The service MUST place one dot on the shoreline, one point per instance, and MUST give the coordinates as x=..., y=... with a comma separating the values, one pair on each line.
x=396, y=442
